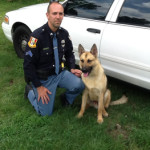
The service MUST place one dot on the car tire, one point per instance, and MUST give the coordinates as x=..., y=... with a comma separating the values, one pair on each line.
x=20, y=38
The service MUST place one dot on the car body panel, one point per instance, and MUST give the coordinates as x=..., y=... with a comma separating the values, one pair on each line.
x=28, y=16
x=128, y=55
x=7, y=31
x=82, y=35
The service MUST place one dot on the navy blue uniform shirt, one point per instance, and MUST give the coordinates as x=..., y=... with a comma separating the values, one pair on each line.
x=39, y=54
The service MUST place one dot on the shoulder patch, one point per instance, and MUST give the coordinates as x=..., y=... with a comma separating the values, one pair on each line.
x=32, y=42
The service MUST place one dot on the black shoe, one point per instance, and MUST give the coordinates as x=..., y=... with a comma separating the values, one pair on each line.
x=27, y=89
x=64, y=101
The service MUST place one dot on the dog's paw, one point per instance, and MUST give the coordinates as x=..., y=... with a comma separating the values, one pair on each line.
x=100, y=120
x=79, y=115
x=105, y=114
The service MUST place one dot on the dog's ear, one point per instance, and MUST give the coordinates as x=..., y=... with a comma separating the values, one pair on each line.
x=94, y=50
x=80, y=50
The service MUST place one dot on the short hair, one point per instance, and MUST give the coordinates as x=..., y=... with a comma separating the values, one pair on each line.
x=51, y=2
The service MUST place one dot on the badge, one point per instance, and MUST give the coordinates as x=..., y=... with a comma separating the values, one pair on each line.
x=32, y=42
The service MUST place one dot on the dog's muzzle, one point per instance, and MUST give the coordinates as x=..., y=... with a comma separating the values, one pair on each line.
x=86, y=71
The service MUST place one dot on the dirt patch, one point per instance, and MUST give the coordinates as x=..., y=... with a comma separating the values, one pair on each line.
x=118, y=131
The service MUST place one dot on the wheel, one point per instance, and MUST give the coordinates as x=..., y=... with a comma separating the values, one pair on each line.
x=20, y=39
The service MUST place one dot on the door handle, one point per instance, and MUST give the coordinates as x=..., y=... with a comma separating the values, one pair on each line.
x=93, y=30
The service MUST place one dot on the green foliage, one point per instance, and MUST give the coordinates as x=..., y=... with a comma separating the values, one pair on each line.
x=21, y=128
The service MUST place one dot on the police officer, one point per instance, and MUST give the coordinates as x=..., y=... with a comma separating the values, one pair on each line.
x=48, y=51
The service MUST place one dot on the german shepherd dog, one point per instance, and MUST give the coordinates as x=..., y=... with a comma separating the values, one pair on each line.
x=96, y=93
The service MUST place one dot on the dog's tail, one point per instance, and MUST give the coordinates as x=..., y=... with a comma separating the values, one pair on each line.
x=122, y=100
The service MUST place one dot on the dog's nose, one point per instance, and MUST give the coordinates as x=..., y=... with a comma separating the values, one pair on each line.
x=84, y=70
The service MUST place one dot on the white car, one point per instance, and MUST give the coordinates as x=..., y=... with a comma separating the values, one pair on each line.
x=119, y=28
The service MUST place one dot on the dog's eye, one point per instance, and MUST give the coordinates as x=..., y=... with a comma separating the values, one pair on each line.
x=89, y=60
x=82, y=60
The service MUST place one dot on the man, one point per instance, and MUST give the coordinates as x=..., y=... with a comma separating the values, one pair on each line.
x=46, y=51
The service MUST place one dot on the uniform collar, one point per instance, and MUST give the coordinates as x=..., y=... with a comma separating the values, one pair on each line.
x=50, y=31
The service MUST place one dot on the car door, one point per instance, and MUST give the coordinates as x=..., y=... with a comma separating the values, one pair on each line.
x=125, y=46
x=85, y=21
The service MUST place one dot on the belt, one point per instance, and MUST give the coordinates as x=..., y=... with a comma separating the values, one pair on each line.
x=44, y=74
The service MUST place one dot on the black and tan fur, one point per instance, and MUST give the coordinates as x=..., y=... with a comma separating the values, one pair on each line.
x=96, y=93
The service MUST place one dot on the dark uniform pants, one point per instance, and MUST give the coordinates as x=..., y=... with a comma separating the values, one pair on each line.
x=73, y=85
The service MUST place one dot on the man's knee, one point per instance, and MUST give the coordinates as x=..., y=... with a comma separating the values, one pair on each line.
x=79, y=84
x=41, y=109
x=78, y=87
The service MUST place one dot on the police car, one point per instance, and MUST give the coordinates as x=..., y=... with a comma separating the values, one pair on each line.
x=119, y=28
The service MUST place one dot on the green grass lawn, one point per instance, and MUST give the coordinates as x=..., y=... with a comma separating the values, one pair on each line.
x=22, y=129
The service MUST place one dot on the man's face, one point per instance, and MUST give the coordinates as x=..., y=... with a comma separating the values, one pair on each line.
x=55, y=16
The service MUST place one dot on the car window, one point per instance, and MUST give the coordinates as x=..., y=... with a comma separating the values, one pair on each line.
x=91, y=9
x=135, y=12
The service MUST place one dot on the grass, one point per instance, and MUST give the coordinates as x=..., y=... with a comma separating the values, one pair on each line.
x=22, y=129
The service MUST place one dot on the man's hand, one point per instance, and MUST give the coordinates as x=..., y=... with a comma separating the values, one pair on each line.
x=43, y=94
x=76, y=72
